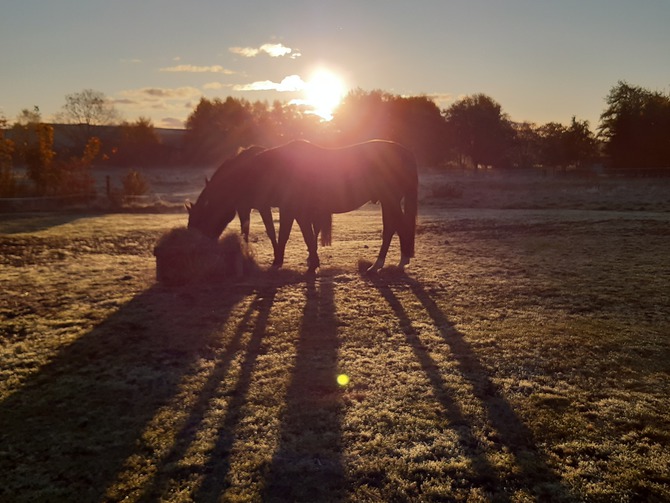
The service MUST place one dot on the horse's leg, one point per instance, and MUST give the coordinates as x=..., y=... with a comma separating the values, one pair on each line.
x=307, y=228
x=391, y=215
x=245, y=216
x=285, y=225
x=316, y=228
x=266, y=215
x=403, y=237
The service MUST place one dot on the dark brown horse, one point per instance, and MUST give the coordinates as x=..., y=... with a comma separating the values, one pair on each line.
x=309, y=183
x=243, y=211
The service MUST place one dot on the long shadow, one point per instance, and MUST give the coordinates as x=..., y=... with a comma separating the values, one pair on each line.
x=218, y=465
x=187, y=435
x=66, y=432
x=307, y=465
x=33, y=222
x=534, y=472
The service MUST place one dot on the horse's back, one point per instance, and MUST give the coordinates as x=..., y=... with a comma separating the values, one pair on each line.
x=336, y=180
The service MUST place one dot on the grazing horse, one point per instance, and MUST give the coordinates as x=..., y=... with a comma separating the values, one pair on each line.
x=309, y=183
x=243, y=210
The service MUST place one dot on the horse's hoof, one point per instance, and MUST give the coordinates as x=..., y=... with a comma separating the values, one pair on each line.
x=372, y=271
x=313, y=264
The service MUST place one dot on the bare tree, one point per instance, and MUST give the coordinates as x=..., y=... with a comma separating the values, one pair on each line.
x=90, y=108
x=86, y=110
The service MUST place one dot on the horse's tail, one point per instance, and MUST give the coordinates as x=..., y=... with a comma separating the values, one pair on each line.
x=410, y=210
x=327, y=230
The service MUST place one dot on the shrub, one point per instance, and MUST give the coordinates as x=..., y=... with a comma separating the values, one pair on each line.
x=135, y=184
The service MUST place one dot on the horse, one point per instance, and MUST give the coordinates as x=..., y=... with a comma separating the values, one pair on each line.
x=243, y=211
x=309, y=183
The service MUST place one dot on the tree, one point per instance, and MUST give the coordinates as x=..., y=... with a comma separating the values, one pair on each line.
x=416, y=122
x=580, y=143
x=525, y=149
x=89, y=108
x=138, y=143
x=39, y=159
x=419, y=125
x=74, y=174
x=553, y=151
x=7, y=177
x=636, y=127
x=216, y=129
x=365, y=115
x=52, y=174
x=27, y=116
x=86, y=110
x=34, y=147
x=562, y=146
x=478, y=130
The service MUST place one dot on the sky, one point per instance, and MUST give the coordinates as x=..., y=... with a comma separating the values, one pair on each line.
x=542, y=61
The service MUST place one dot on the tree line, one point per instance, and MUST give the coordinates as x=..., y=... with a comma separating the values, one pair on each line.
x=474, y=132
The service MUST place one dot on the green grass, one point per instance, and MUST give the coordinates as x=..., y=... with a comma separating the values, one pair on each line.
x=524, y=357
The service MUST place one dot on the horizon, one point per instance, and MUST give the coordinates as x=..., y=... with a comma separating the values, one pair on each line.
x=542, y=63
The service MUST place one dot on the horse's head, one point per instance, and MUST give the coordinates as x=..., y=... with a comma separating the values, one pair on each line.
x=210, y=214
x=217, y=203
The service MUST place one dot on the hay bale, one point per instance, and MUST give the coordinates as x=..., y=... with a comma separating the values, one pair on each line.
x=184, y=256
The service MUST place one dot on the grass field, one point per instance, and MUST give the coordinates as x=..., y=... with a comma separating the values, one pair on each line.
x=525, y=356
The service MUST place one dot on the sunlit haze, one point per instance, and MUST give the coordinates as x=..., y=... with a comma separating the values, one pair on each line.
x=542, y=61
x=324, y=92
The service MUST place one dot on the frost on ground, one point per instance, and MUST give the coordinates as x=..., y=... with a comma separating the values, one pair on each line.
x=523, y=356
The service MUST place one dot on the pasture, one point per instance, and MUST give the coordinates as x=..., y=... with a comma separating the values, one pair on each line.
x=524, y=356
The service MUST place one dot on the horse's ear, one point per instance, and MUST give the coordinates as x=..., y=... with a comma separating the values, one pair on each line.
x=189, y=206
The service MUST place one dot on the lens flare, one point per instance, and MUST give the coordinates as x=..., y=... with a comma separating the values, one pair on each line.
x=343, y=379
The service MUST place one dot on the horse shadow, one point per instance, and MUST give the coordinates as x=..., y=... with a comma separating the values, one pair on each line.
x=31, y=222
x=533, y=470
x=307, y=464
x=69, y=428
x=217, y=467
x=69, y=431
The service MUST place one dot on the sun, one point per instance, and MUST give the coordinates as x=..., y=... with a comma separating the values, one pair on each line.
x=324, y=92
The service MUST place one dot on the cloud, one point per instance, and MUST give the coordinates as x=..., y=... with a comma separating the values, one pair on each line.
x=198, y=69
x=215, y=86
x=442, y=100
x=272, y=50
x=168, y=106
x=156, y=97
x=441, y=96
x=292, y=83
x=171, y=123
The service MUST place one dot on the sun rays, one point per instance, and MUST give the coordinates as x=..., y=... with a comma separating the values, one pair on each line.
x=323, y=92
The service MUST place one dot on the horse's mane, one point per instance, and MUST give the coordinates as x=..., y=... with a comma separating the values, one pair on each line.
x=230, y=162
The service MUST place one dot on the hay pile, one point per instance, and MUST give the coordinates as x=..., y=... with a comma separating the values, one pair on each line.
x=184, y=256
